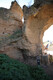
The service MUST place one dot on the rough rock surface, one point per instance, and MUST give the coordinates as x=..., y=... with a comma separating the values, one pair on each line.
x=24, y=41
x=10, y=29
x=38, y=3
x=10, y=21
x=36, y=24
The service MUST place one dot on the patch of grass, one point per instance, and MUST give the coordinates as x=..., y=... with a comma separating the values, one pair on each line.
x=11, y=69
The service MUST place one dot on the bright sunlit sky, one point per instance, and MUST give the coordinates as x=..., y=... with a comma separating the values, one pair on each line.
x=7, y=3
x=48, y=34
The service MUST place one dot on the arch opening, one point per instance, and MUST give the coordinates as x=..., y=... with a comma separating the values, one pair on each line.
x=48, y=40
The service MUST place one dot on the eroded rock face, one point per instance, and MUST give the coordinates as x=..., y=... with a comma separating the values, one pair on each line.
x=24, y=41
x=29, y=11
x=10, y=21
x=36, y=25
x=16, y=11
x=38, y=3
x=10, y=29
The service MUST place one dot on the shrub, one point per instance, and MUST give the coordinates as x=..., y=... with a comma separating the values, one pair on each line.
x=11, y=69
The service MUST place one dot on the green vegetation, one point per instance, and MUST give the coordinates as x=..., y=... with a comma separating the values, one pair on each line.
x=11, y=69
x=16, y=35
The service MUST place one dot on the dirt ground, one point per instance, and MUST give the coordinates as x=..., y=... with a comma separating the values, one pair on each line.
x=49, y=70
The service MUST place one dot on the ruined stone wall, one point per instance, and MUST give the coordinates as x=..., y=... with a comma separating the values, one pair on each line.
x=10, y=20
x=10, y=29
x=36, y=25
x=24, y=41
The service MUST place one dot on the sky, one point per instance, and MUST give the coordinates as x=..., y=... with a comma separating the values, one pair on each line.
x=25, y=2
x=48, y=34
x=7, y=3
